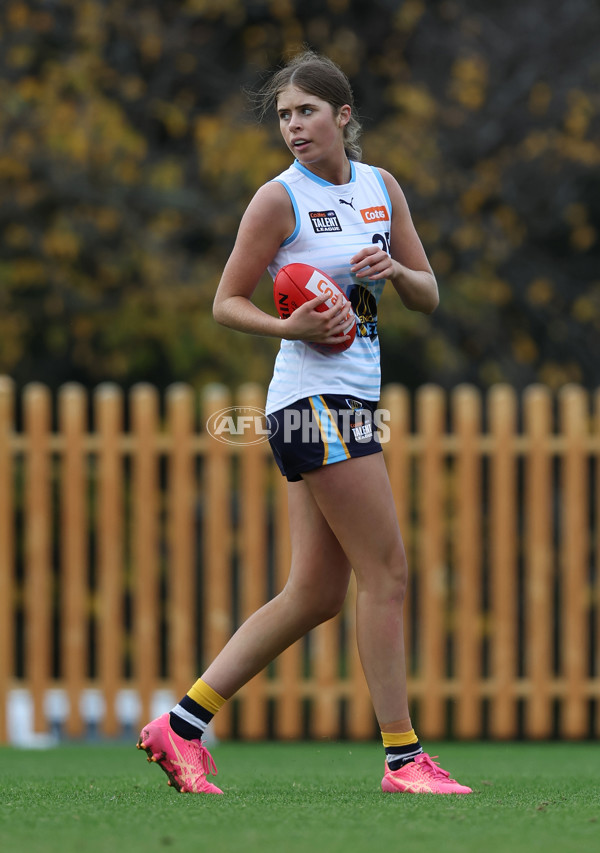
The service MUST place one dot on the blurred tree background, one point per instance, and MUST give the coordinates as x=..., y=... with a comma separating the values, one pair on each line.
x=128, y=151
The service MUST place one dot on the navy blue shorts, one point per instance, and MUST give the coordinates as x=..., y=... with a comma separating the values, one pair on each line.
x=320, y=430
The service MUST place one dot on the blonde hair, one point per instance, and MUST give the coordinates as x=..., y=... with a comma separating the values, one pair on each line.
x=320, y=76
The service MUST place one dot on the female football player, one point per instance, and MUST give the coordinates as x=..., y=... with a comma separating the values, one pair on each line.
x=351, y=221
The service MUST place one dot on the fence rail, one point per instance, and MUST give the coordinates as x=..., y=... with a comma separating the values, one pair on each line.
x=130, y=551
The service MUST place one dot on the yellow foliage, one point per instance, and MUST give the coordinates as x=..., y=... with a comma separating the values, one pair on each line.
x=441, y=262
x=29, y=88
x=508, y=219
x=133, y=87
x=468, y=236
x=173, y=117
x=556, y=375
x=17, y=15
x=499, y=292
x=61, y=244
x=338, y=7
x=469, y=80
x=576, y=214
x=90, y=22
x=127, y=172
x=166, y=175
x=524, y=349
x=540, y=291
x=13, y=169
x=586, y=309
x=473, y=199
x=25, y=272
x=17, y=236
x=537, y=143
x=413, y=99
x=583, y=237
x=166, y=223
x=409, y=15
x=12, y=331
x=583, y=234
x=441, y=354
x=579, y=114
x=107, y=219
x=582, y=151
x=151, y=47
x=540, y=97
x=255, y=36
x=281, y=10
x=19, y=56
x=344, y=48
x=491, y=373
x=233, y=10
x=230, y=153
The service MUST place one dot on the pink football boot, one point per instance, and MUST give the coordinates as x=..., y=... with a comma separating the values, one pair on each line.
x=421, y=776
x=186, y=762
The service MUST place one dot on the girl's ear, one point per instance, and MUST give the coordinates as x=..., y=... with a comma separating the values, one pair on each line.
x=344, y=115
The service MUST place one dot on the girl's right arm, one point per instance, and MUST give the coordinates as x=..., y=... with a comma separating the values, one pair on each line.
x=267, y=222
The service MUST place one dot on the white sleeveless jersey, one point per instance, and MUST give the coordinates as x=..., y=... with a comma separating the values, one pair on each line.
x=332, y=224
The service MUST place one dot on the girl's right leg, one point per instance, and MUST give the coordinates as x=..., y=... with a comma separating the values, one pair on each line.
x=315, y=591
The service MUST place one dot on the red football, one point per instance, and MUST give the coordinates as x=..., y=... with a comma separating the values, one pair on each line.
x=298, y=283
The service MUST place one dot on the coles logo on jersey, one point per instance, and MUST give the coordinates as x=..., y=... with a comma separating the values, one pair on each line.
x=375, y=214
x=324, y=221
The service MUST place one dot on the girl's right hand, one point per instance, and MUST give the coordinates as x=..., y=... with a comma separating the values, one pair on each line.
x=306, y=323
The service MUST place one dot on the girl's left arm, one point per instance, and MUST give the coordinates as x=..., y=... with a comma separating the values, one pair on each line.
x=407, y=266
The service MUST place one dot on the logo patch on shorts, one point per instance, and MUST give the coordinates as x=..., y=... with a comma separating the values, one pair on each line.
x=354, y=404
x=324, y=221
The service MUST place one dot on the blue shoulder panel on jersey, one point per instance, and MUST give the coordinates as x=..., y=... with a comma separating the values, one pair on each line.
x=294, y=233
x=320, y=181
x=377, y=174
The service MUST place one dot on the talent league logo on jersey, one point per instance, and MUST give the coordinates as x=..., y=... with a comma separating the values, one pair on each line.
x=324, y=221
x=375, y=214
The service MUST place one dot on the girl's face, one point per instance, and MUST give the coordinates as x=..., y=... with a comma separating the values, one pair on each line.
x=311, y=128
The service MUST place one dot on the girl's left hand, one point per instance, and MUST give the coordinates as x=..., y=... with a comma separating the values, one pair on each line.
x=372, y=263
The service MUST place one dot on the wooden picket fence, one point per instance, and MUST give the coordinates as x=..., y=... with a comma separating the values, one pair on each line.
x=130, y=551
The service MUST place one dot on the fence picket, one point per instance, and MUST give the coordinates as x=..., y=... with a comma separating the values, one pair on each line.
x=467, y=550
x=145, y=546
x=596, y=525
x=108, y=410
x=74, y=539
x=574, y=560
x=7, y=546
x=39, y=576
x=289, y=717
x=252, y=553
x=538, y=562
x=181, y=610
x=432, y=568
x=503, y=562
x=216, y=620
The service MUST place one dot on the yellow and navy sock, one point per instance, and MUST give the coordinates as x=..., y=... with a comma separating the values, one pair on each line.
x=400, y=748
x=194, y=712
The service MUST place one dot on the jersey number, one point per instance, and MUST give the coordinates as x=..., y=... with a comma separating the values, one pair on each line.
x=383, y=240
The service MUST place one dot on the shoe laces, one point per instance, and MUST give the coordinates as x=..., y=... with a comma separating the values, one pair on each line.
x=430, y=766
x=208, y=763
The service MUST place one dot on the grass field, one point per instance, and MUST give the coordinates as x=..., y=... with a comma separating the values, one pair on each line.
x=301, y=797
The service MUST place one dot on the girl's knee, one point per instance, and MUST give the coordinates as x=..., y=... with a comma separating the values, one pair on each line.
x=315, y=603
x=387, y=578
